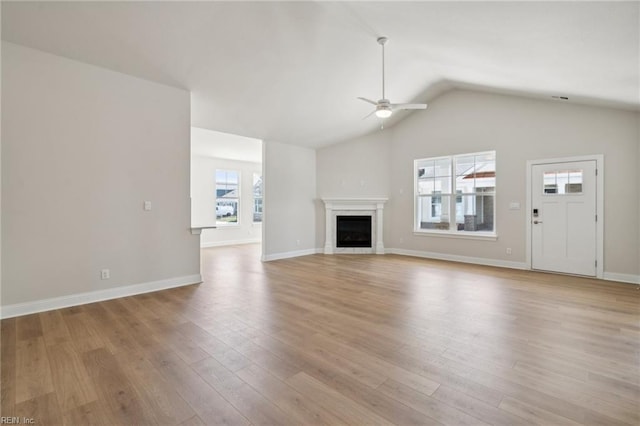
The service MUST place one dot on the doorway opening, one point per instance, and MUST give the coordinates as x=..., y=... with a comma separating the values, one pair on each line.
x=226, y=188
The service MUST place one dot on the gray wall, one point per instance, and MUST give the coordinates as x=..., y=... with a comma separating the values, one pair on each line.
x=83, y=147
x=289, y=200
x=519, y=129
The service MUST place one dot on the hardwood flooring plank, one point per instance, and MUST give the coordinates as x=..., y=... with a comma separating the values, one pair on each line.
x=28, y=327
x=8, y=367
x=156, y=395
x=431, y=407
x=41, y=410
x=54, y=329
x=415, y=381
x=120, y=401
x=33, y=371
x=622, y=388
x=203, y=398
x=299, y=408
x=245, y=399
x=380, y=404
x=73, y=386
x=90, y=414
x=193, y=421
x=478, y=409
x=533, y=414
x=84, y=335
x=333, y=401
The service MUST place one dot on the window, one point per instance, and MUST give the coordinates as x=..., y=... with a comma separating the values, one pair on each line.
x=257, y=198
x=227, y=197
x=456, y=194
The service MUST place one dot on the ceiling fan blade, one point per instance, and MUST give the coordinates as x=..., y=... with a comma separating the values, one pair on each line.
x=409, y=106
x=368, y=100
x=369, y=115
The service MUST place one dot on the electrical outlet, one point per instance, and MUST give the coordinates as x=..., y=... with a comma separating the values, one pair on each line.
x=147, y=205
x=297, y=242
x=508, y=250
x=105, y=274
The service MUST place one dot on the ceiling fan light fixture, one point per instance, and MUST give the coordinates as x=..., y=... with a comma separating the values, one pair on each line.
x=383, y=111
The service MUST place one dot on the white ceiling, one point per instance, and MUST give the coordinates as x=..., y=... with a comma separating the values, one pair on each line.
x=291, y=71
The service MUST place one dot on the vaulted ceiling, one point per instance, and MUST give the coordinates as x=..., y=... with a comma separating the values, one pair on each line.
x=291, y=71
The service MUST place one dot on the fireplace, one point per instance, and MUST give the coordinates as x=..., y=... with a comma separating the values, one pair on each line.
x=353, y=231
x=360, y=223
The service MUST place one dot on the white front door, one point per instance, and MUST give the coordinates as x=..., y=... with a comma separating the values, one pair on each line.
x=563, y=217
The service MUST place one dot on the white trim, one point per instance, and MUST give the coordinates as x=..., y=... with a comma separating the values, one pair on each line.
x=290, y=254
x=599, y=159
x=458, y=234
x=457, y=258
x=609, y=276
x=623, y=278
x=229, y=242
x=43, y=305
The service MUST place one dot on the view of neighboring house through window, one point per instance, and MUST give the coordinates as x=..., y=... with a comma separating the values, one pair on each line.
x=257, y=197
x=456, y=193
x=227, y=196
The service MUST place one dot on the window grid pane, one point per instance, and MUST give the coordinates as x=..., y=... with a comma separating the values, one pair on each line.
x=257, y=197
x=472, y=207
x=227, y=196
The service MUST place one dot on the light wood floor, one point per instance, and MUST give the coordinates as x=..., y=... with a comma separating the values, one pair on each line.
x=335, y=340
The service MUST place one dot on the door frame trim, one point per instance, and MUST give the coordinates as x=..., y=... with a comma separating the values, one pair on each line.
x=599, y=159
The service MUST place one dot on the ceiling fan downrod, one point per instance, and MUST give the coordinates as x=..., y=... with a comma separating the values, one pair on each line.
x=382, y=41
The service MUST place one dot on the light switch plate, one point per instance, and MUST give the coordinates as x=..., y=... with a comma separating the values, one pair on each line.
x=147, y=205
x=514, y=205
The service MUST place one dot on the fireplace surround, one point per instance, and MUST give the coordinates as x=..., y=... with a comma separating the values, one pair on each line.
x=347, y=208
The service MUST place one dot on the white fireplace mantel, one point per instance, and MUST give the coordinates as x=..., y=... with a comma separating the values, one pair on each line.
x=373, y=206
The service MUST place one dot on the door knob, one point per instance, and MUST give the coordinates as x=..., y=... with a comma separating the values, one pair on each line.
x=535, y=222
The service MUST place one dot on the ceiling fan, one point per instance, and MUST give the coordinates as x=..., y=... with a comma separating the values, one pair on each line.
x=384, y=107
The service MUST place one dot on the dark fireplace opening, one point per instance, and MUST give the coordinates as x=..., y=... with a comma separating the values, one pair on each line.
x=353, y=231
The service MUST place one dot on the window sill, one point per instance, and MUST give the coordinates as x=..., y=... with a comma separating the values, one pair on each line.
x=485, y=236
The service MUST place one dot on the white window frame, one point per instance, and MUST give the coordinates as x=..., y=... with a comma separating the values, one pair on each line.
x=253, y=206
x=452, y=232
x=239, y=198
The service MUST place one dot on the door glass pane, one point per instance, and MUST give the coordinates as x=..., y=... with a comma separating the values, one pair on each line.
x=574, y=186
x=562, y=182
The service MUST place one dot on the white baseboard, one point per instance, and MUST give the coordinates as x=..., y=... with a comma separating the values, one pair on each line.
x=290, y=254
x=229, y=242
x=610, y=276
x=457, y=258
x=26, y=308
x=623, y=278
